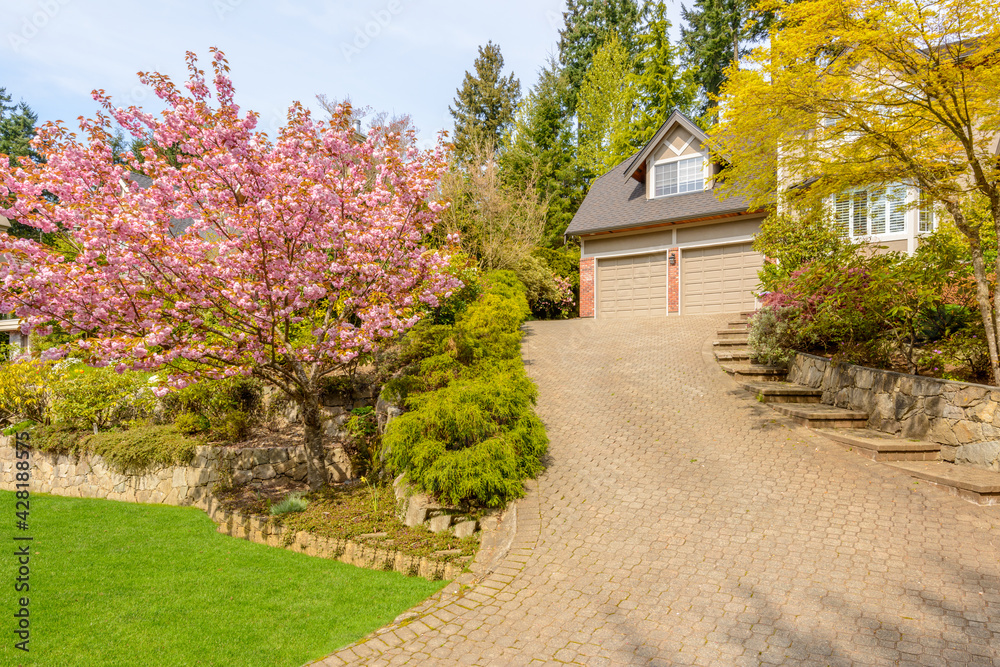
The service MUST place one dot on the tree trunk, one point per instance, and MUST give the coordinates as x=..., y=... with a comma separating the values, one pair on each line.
x=312, y=419
x=986, y=306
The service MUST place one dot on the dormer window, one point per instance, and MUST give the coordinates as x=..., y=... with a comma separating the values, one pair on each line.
x=678, y=177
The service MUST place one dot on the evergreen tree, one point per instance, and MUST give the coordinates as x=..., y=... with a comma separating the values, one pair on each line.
x=587, y=24
x=541, y=146
x=17, y=128
x=604, y=109
x=717, y=35
x=485, y=104
x=660, y=83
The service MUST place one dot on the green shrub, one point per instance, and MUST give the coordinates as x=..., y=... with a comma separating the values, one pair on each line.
x=235, y=426
x=214, y=399
x=294, y=502
x=549, y=296
x=365, y=450
x=26, y=389
x=101, y=398
x=133, y=450
x=770, y=336
x=190, y=423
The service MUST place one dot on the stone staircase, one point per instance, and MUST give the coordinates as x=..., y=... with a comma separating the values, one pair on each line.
x=803, y=405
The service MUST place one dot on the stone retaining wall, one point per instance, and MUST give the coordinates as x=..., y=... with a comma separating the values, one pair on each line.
x=954, y=414
x=264, y=530
x=89, y=476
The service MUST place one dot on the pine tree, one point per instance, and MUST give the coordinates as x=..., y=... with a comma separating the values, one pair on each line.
x=485, y=104
x=717, y=34
x=660, y=83
x=541, y=145
x=17, y=128
x=604, y=109
x=587, y=24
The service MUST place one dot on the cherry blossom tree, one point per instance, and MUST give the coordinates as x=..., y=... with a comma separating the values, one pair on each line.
x=303, y=252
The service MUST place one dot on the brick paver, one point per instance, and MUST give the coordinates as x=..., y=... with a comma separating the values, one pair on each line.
x=681, y=523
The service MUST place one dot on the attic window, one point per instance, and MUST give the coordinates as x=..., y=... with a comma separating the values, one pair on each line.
x=678, y=177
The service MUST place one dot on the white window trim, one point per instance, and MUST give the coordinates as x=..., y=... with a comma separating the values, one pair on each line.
x=910, y=219
x=651, y=178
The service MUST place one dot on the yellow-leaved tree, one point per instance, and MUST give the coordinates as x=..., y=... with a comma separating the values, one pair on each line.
x=862, y=93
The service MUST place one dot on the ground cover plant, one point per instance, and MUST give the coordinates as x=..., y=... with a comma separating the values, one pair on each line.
x=150, y=585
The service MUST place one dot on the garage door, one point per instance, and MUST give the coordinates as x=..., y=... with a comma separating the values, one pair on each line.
x=720, y=279
x=632, y=286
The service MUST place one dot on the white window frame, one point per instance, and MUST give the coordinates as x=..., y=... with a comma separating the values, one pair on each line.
x=897, y=216
x=680, y=158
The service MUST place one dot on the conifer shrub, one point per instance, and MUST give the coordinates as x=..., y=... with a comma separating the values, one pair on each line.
x=471, y=436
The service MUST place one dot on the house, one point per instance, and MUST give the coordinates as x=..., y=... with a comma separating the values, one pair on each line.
x=656, y=239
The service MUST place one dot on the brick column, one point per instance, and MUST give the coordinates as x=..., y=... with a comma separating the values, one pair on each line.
x=673, y=282
x=588, y=295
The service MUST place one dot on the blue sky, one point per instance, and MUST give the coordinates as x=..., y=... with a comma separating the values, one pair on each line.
x=403, y=56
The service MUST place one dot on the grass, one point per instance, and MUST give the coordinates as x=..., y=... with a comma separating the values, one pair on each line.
x=122, y=584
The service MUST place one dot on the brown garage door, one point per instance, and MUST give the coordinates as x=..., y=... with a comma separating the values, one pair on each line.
x=720, y=279
x=632, y=286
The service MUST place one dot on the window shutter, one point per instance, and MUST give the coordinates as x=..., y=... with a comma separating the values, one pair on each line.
x=926, y=218
x=876, y=204
x=859, y=216
x=897, y=208
x=842, y=213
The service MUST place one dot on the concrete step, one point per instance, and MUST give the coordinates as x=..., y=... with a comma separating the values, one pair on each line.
x=737, y=324
x=822, y=416
x=731, y=342
x=732, y=355
x=752, y=372
x=883, y=447
x=978, y=486
x=783, y=392
x=732, y=333
x=747, y=314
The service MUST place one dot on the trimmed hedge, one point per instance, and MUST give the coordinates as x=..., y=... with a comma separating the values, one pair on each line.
x=471, y=436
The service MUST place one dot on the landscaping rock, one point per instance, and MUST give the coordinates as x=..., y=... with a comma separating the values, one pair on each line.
x=440, y=523
x=465, y=529
x=985, y=455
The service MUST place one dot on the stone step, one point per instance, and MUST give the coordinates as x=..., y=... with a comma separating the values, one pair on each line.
x=737, y=324
x=730, y=342
x=732, y=333
x=747, y=314
x=883, y=447
x=783, y=392
x=822, y=416
x=752, y=372
x=978, y=486
x=733, y=355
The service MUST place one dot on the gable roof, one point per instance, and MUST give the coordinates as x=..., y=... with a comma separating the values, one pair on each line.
x=616, y=201
x=637, y=167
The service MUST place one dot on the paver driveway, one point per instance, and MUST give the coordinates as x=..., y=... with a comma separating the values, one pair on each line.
x=679, y=522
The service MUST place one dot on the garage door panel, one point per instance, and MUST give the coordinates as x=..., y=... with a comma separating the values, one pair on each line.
x=719, y=279
x=632, y=286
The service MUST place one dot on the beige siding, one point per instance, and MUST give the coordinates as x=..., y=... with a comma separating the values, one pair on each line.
x=632, y=286
x=718, y=231
x=719, y=279
x=656, y=240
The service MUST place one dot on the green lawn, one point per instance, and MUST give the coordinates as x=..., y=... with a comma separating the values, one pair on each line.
x=124, y=584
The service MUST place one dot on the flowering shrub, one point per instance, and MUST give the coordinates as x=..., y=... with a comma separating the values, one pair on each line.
x=26, y=389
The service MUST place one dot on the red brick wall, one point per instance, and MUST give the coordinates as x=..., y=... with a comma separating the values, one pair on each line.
x=673, y=282
x=588, y=295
